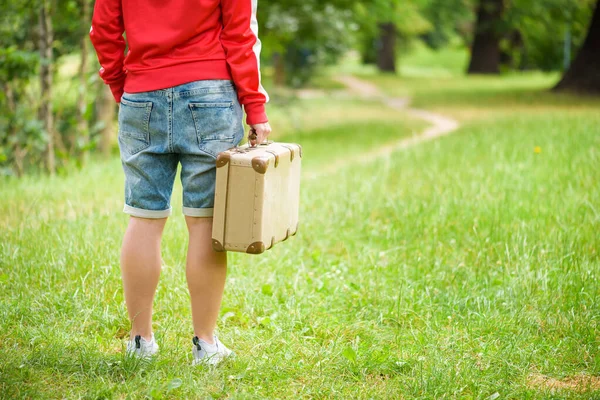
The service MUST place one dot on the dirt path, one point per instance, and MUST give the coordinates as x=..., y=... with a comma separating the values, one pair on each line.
x=440, y=126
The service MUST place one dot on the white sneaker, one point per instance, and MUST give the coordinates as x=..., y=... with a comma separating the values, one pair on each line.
x=142, y=348
x=209, y=354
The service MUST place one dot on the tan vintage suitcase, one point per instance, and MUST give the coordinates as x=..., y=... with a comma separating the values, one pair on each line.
x=257, y=197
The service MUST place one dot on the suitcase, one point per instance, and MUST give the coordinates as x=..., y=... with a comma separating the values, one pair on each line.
x=257, y=197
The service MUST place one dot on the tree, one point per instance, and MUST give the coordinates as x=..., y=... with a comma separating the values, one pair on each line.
x=22, y=140
x=382, y=23
x=45, y=125
x=299, y=35
x=82, y=123
x=46, y=74
x=451, y=21
x=21, y=133
x=536, y=32
x=584, y=73
x=386, y=56
x=485, y=52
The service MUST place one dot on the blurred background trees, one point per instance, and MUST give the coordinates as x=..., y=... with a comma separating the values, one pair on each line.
x=46, y=112
x=490, y=26
x=584, y=73
x=55, y=111
x=383, y=26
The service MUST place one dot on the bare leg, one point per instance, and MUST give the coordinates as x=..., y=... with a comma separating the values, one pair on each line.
x=140, y=270
x=206, y=270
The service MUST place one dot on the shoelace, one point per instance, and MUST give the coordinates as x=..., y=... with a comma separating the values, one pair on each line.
x=196, y=342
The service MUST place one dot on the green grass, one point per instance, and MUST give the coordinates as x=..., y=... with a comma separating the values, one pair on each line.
x=485, y=97
x=415, y=61
x=456, y=268
x=291, y=117
x=421, y=61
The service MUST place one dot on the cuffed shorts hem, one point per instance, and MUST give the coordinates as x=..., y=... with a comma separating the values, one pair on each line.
x=141, y=213
x=198, y=212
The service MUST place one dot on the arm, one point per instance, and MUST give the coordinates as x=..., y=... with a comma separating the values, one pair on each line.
x=242, y=50
x=107, y=37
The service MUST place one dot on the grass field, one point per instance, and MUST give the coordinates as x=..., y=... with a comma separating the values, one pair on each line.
x=466, y=267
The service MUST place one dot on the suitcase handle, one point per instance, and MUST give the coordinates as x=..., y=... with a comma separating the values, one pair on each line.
x=252, y=136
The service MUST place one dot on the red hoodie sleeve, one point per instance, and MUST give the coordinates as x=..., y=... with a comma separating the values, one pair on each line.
x=242, y=49
x=107, y=37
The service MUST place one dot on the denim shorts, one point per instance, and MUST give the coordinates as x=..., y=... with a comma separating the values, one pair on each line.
x=189, y=125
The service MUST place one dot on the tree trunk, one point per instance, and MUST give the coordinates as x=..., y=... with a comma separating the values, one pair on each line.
x=82, y=130
x=45, y=113
x=386, y=55
x=485, y=52
x=106, y=113
x=17, y=152
x=584, y=73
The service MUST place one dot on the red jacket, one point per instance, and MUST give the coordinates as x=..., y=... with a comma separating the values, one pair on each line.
x=179, y=41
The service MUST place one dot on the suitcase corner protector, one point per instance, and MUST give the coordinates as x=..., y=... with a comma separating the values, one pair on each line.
x=260, y=165
x=223, y=159
x=256, y=248
x=217, y=246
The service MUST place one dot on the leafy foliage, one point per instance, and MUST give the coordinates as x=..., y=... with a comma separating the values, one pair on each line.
x=22, y=139
x=20, y=131
x=405, y=15
x=543, y=26
x=306, y=33
x=450, y=21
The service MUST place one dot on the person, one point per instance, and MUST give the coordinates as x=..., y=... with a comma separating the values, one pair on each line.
x=190, y=67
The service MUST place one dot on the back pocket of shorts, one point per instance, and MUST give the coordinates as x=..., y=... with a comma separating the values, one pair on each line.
x=134, y=125
x=213, y=121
